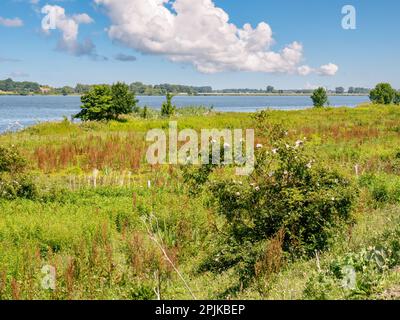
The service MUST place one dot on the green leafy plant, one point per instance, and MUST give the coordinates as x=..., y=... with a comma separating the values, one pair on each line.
x=383, y=94
x=287, y=194
x=103, y=102
x=168, y=109
x=11, y=161
x=319, y=97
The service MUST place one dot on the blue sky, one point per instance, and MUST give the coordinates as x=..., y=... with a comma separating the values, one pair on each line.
x=364, y=56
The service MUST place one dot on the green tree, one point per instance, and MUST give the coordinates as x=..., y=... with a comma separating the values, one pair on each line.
x=168, y=109
x=397, y=98
x=123, y=100
x=340, y=90
x=319, y=97
x=103, y=102
x=97, y=104
x=383, y=94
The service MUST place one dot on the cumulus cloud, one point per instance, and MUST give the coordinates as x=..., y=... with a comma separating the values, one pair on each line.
x=11, y=23
x=69, y=27
x=200, y=33
x=328, y=69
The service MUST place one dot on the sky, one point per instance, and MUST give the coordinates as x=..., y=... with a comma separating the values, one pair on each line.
x=222, y=43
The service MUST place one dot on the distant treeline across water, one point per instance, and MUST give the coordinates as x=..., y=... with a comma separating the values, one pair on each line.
x=21, y=111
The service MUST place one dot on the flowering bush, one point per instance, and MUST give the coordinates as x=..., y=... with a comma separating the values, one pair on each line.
x=11, y=160
x=288, y=194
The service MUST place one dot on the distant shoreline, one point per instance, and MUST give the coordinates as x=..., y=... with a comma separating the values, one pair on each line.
x=201, y=95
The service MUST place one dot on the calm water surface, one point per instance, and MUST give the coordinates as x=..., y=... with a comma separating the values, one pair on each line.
x=17, y=112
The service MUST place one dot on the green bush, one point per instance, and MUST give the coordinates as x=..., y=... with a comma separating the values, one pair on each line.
x=103, y=102
x=11, y=161
x=319, y=97
x=14, y=183
x=17, y=186
x=288, y=194
x=383, y=94
x=168, y=109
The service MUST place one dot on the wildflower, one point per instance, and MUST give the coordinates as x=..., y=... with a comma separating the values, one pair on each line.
x=257, y=188
x=333, y=199
x=299, y=143
x=309, y=165
x=259, y=146
x=238, y=194
x=275, y=151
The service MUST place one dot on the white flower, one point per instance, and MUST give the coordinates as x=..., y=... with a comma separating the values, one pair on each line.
x=285, y=173
x=257, y=188
x=259, y=146
x=274, y=151
x=227, y=145
x=309, y=165
x=333, y=199
x=238, y=194
x=299, y=143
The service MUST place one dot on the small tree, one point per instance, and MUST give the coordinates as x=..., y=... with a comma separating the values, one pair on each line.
x=103, y=102
x=97, y=104
x=319, y=97
x=123, y=100
x=168, y=109
x=383, y=94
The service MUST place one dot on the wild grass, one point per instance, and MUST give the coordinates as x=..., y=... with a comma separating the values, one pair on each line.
x=97, y=189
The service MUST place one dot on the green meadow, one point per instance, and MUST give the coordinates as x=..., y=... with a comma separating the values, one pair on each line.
x=114, y=227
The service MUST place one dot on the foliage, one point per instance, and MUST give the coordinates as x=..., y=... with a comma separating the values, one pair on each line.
x=11, y=161
x=168, y=109
x=25, y=87
x=319, y=97
x=357, y=275
x=105, y=103
x=123, y=101
x=397, y=98
x=286, y=194
x=383, y=94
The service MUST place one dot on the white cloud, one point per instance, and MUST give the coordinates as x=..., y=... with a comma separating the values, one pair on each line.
x=328, y=69
x=11, y=23
x=200, y=33
x=69, y=28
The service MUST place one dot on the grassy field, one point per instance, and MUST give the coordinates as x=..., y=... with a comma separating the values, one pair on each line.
x=133, y=231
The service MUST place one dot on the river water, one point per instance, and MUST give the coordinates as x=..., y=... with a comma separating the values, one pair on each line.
x=17, y=112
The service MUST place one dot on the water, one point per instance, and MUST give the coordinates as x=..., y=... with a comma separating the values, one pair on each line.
x=17, y=112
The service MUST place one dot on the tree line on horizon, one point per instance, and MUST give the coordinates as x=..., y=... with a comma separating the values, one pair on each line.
x=139, y=88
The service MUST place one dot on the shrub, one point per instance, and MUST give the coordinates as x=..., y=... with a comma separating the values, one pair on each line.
x=17, y=186
x=287, y=194
x=103, y=102
x=167, y=109
x=14, y=183
x=319, y=97
x=11, y=161
x=383, y=94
